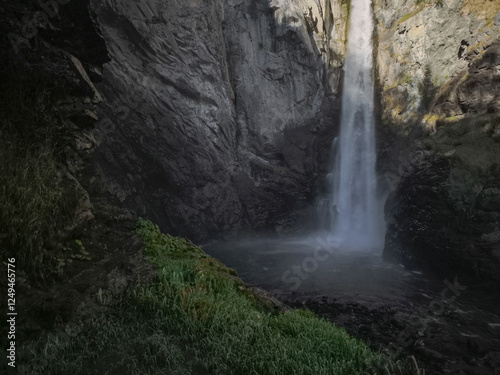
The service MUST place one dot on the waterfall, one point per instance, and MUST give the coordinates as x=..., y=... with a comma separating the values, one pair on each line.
x=351, y=211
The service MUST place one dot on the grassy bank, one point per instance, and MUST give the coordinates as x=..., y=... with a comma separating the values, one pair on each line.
x=197, y=317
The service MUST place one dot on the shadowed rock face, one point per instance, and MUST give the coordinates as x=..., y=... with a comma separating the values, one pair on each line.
x=166, y=141
x=441, y=117
x=60, y=50
x=444, y=214
x=217, y=115
x=480, y=91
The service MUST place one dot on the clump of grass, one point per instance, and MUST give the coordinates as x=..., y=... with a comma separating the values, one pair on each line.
x=430, y=2
x=197, y=318
x=407, y=79
x=406, y=17
x=37, y=202
x=33, y=206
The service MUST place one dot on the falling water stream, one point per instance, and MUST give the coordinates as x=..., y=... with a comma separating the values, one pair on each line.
x=350, y=211
x=354, y=193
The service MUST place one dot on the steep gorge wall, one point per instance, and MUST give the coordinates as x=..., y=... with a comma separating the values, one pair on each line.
x=218, y=115
x=439, y=89
x=51, y=60
x=426, y=46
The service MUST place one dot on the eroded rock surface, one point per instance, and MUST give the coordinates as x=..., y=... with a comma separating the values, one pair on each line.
x=439, y=84
x=424, y=47
x=218, y=116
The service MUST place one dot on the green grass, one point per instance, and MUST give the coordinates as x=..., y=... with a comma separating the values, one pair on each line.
x=38, y=203
x=199, y=318
x=35, y=207
x=346, y=8
x=430, y=2
x=407, y=79
x=409, y=15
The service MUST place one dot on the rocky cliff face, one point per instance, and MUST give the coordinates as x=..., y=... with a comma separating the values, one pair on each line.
x=51, y=59
x=218, y=115
x=439, y=85
x=426, y=46
x=215, y=116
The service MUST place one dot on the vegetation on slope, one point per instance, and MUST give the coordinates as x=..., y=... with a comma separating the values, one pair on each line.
x=199, y=318
x=37, y=202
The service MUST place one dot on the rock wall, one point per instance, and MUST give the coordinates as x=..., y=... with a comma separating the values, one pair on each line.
x=423, y=47
x=52, y=57
x=439, y=86
x=218, y=115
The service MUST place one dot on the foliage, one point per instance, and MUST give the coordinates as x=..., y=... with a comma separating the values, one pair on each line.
x=198, y=318
x=409, y=15
x=37, y=203
x=435, y=2
x=427, y=91
x=33, y=210
x=346, y=8
x=407, y=79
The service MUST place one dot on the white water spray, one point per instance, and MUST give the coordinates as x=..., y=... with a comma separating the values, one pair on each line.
x=353, y=214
